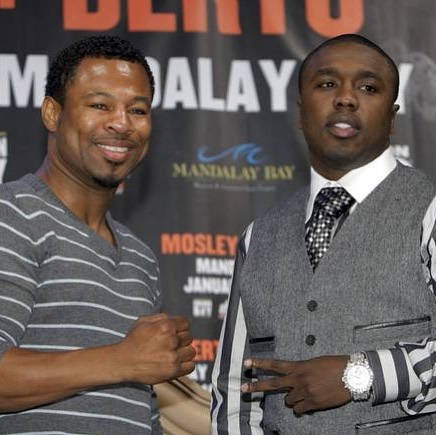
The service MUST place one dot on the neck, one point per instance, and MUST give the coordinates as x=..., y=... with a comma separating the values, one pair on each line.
x=87, y=203
x=329, y=173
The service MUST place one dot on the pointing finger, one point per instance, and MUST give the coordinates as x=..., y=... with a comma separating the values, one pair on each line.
x=274, y=365
x=273, y=384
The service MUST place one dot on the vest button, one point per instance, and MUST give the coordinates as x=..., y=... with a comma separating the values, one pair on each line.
x=310, y=340
x=312, y=305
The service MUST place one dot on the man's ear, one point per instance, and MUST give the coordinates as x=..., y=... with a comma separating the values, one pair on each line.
x=50, y=113
x=395, y=109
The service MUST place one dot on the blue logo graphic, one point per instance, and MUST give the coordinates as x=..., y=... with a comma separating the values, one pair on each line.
x=249, y=150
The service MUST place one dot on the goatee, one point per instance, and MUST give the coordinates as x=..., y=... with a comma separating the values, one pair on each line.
x=107, y=182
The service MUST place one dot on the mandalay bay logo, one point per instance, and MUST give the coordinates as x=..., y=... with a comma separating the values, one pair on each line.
x=238, y=168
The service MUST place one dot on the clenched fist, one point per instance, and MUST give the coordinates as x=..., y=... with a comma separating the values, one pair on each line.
x=156, y=349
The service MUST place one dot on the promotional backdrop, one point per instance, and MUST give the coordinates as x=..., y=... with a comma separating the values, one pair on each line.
x=226, y=144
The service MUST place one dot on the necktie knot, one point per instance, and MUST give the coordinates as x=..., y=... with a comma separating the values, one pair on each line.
x=334, y=201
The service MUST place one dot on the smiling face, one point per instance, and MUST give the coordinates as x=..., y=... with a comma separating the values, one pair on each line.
x=346, y=107
x=103, y=129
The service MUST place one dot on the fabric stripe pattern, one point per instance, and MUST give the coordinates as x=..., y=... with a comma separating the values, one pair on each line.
x=64, y=288
x=408, y=371
x=230, y=413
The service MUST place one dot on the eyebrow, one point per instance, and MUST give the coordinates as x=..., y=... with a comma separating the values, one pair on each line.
x=369, y=75
x=326, y=72
x=360, y=75
x=139, y=98
x=144, y=100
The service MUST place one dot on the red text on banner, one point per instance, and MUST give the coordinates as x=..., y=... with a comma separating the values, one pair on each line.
x=350, y=20
x=143, y=17
x=7, y=4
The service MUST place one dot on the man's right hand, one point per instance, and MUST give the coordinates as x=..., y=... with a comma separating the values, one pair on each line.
x=156, y=349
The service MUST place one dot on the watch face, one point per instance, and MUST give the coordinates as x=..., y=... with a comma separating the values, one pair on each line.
x=359, y=378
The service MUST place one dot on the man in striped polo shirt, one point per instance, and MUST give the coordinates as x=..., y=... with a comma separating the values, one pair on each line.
x=81, y=338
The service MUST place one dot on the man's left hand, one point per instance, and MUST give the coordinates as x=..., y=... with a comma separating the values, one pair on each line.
x=311, y=385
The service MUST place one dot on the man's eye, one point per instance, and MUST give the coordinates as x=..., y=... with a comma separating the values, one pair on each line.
x=369, y=88
x=138, y=111
x=99, y=106
x=326, y=85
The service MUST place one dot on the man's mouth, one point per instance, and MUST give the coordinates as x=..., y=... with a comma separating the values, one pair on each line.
x=116, y=154
x=343, y=130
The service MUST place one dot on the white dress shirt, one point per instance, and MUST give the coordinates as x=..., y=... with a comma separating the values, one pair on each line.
x=359, y=183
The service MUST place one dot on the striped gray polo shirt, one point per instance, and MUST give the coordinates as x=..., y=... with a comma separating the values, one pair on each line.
x=63, y=287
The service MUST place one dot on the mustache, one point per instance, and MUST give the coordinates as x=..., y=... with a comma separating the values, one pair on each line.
x=114, y=138
x=350, y=119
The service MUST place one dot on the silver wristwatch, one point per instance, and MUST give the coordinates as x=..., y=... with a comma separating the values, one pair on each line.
x=358, y=376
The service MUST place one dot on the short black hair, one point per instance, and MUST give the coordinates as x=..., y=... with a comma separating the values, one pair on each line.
x=356, y=39
x=64, y=65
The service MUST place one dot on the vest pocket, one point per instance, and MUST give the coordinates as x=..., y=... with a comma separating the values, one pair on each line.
x=416, y=328
x=396, y=426
x=262, y=344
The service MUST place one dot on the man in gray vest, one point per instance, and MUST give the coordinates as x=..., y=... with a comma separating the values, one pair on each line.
x=334, y=273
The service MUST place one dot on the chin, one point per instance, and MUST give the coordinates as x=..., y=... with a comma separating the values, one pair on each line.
x=109, y=182
x=344, y=154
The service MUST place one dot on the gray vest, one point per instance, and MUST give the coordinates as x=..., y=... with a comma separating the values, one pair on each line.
x=370, y=276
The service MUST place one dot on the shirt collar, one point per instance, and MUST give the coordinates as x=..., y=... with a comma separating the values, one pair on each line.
x=359, y=182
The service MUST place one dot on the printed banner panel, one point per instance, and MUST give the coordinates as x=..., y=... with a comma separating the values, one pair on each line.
x=226, y=141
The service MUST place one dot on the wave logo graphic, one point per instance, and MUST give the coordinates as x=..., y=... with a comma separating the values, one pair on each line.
x=250, y=151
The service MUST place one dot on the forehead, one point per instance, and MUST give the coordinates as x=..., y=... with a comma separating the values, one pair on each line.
x=109, y=73
x=349, y=58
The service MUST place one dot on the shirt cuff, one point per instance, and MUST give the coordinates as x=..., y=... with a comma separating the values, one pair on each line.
x=394, y=377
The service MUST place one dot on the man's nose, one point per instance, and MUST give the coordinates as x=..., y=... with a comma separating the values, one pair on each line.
x=119, y=121
x=346, y=98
